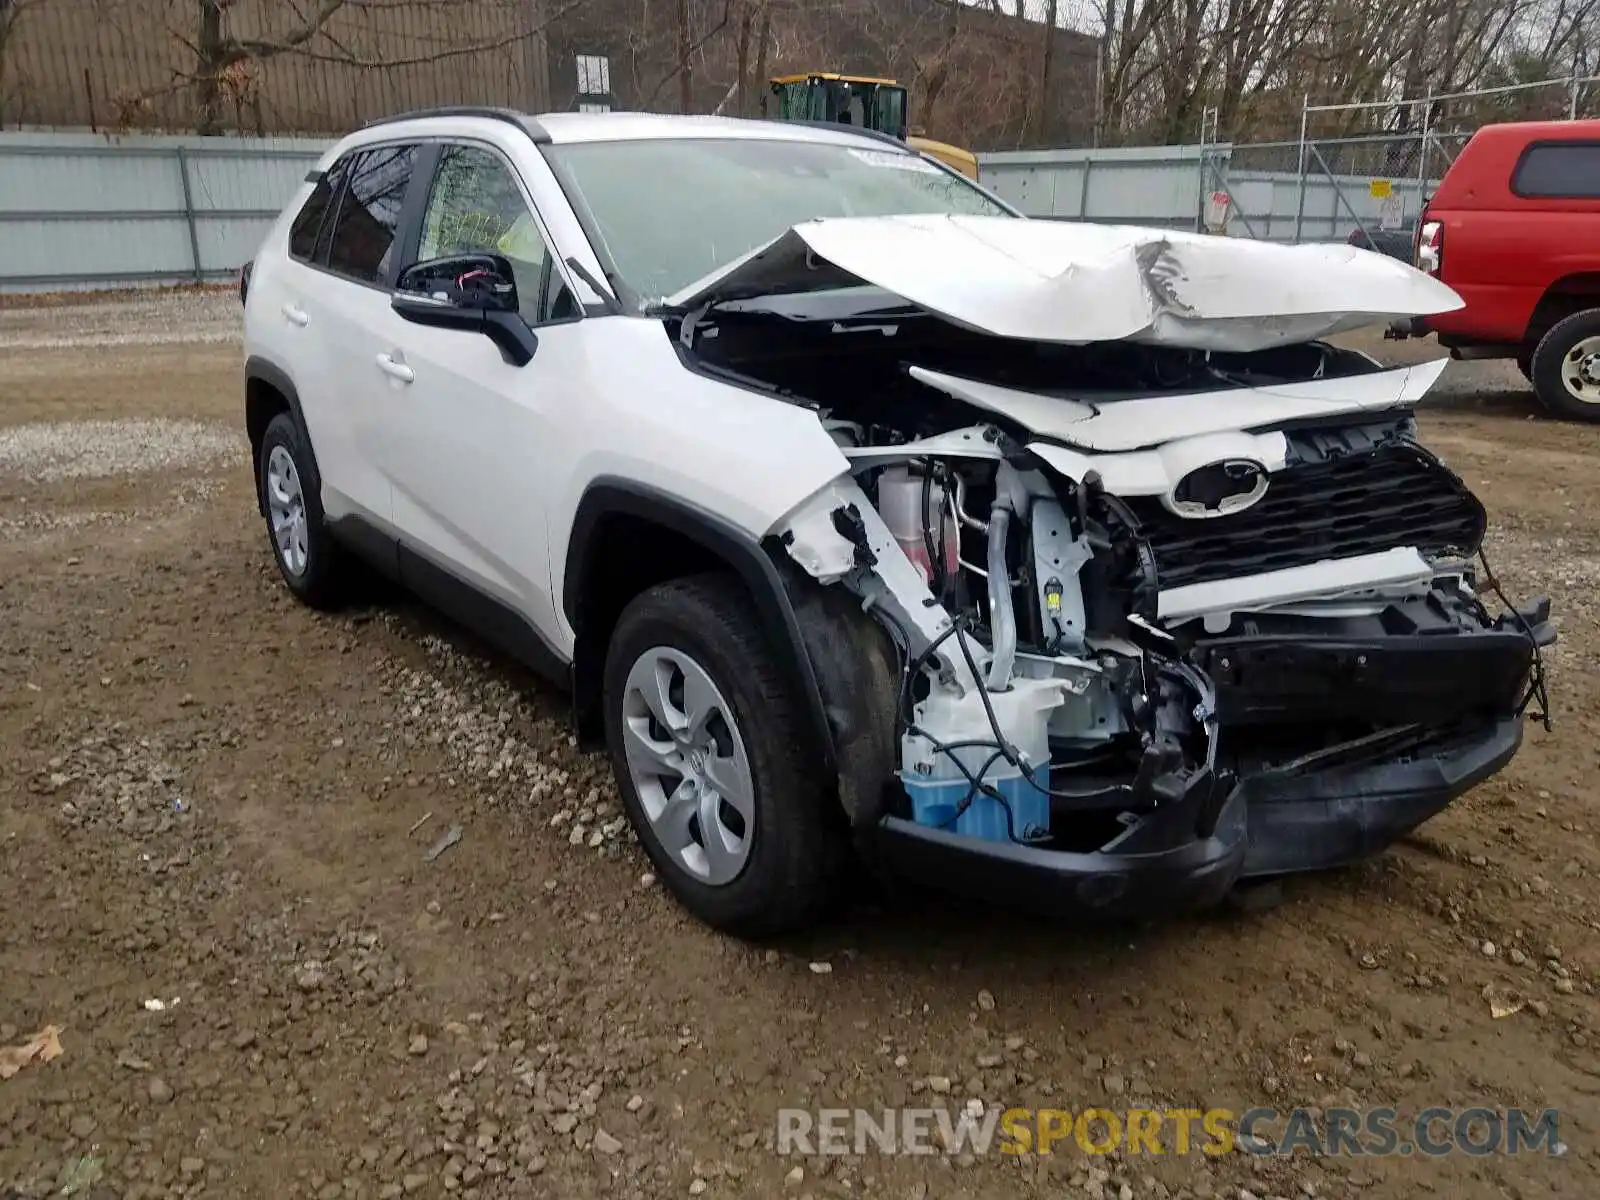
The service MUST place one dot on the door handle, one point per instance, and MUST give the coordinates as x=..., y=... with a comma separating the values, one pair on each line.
x=396, y=370
x=296, y=316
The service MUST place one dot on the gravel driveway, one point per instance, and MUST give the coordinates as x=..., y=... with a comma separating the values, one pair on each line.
x=215, y=805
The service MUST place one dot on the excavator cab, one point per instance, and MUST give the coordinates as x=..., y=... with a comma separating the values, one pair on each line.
x=877, y=104
x=861, y=101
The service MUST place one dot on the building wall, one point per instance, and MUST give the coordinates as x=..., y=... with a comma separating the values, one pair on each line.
x=125, y=64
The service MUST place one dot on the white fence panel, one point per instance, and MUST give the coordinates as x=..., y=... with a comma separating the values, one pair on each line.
x=81, y=210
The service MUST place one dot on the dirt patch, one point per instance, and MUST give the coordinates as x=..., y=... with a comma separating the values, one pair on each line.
x=215, y=799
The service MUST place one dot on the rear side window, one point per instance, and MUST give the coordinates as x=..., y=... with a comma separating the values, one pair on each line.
x=1559, y=171
x=364, y=234
x=307, y=227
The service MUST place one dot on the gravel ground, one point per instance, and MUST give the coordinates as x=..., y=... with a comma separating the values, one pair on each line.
x=214, y=808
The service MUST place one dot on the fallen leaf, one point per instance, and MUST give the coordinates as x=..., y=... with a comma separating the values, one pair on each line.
x=85, y=1173
x=452, y=836
x=1503, y=1002
x=42, y=1047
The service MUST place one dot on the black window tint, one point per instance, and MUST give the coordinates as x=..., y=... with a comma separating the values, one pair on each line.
x=308, y=222
x=1559, y=170
x=369, y=216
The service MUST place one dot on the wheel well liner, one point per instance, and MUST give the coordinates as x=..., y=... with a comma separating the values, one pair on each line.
x=628, y=536
x=268, y=391
x=1568, y=295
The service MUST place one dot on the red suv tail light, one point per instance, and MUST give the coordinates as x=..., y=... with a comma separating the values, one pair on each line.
x=1430, y=247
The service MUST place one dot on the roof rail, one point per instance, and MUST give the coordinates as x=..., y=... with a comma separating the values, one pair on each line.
x=521, y=120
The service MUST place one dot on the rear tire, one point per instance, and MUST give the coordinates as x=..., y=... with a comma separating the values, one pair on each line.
x=734, y=817
x=311, y=562
x=1566, y=367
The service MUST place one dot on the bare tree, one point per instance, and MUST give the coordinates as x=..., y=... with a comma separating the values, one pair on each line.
x=12, y=15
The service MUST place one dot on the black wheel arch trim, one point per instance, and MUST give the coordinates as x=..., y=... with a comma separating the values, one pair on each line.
x=755, y=564
x=263, y=370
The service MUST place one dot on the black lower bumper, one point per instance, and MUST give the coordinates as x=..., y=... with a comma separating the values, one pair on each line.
x=1332, y=817
x=1269, y=824
x=1112, y=882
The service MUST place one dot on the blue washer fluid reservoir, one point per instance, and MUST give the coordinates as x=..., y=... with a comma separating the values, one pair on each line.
x=937, y=785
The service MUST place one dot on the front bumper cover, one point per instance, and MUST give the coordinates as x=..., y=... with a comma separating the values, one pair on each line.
x=1158, y=865
x=1267, y=824
x=1329, y=818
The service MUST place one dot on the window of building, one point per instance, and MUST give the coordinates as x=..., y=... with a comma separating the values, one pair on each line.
x=594, y=76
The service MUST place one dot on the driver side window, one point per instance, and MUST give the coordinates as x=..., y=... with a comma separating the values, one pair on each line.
x=477, y=207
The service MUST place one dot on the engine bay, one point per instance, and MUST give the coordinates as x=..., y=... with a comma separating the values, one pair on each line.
x=1085, y=666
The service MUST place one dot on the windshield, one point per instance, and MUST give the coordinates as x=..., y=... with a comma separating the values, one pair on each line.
x=672, y=210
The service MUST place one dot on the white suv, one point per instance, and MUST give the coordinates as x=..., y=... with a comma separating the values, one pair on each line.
x=860, y=514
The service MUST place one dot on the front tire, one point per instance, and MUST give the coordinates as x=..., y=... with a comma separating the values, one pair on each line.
x=1566, y=367
x=309, y=560
x=707, y=739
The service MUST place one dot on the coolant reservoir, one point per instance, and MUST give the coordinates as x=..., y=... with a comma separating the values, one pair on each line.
x=900, y=503
x=939, y=788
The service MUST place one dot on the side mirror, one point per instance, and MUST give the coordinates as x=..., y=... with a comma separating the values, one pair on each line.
x=475, y=293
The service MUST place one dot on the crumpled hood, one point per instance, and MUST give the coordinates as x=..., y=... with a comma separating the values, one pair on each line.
x=1058, y=281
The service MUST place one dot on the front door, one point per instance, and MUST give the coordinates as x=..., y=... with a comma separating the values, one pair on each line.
x=463, y=450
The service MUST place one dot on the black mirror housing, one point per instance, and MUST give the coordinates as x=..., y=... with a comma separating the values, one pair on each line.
x=480, y=281
x=475, y=293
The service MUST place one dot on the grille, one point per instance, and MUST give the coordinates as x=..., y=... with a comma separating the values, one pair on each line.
x=1397, y=495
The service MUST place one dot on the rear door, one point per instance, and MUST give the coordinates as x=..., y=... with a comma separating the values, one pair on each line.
x=360, y=255
x=284, y=317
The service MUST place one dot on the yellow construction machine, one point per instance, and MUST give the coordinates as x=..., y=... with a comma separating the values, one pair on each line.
x=863, y=101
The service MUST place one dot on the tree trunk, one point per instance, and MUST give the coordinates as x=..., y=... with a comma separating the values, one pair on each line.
x=764, y=39
x=685, y=51
x=1042, y=125
x=1103, y=97
x=746, y=31
x=8, y=19
x=208, y=48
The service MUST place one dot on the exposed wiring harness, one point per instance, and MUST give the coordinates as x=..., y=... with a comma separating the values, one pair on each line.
x=1537, y=689
x=999, y=747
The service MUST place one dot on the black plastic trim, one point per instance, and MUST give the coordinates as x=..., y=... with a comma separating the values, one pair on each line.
x=274, y=376
x=1393, y=679
x=523, y=121
x=751, y=561
x=497, y=623
x=1329, y=818
x=1196, y=873
x=413, y=210
x=330, y=217
x=492, y=621
x=369, y=543
x=1271, y=824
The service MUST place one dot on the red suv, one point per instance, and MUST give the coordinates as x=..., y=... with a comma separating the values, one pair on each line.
x=1515, y=229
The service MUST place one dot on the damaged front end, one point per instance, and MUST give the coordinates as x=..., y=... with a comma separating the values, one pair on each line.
x=1121, y=622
